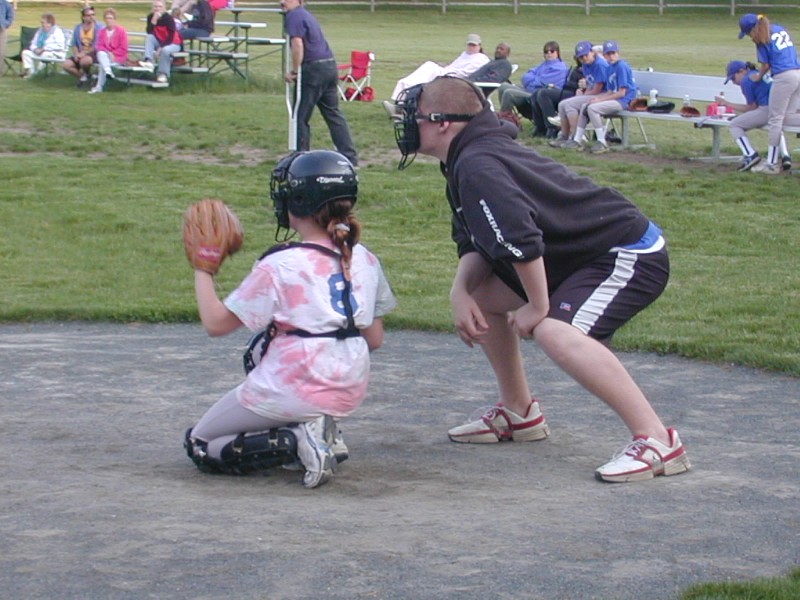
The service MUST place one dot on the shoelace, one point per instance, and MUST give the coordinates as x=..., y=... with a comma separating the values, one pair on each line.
x=633, y=448
x=485, y=412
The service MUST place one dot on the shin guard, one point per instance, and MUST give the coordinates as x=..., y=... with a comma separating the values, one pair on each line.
x=198, y=452
x=250, y=453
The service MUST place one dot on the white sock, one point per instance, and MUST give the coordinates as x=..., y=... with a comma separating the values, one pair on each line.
x=772, y=155
x=745, y=146
x=601, y=135
x=784, y=147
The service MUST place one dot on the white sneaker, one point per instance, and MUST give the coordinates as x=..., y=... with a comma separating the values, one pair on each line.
x=333, y=437
x=645, y=458
x=95, y=90
x=110, y=73
x=498, y=423
x=314, y=453
x=554, y=121
x=161, y=78
x=767, y=168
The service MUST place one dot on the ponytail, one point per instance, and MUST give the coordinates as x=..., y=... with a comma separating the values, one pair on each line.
x=343, y=228
x=761, y=32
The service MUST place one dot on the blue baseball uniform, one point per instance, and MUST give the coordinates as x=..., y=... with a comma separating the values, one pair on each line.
x=620, y=75
x=597, y=72
x=780, y=53
x=755, y=91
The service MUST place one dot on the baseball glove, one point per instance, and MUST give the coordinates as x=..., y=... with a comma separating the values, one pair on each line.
x=689, y=111
x=661, y=107
x=639, y=104
x=211, y=233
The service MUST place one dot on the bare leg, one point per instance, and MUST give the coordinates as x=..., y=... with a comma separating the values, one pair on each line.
x=501, y=345
x=597, y=369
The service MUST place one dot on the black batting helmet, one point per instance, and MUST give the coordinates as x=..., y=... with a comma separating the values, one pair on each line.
x=304, y=182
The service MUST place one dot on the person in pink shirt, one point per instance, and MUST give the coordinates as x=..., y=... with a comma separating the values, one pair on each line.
x=320, y=303
x=112, y=48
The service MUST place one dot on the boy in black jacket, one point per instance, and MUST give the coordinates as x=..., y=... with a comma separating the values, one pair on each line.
x=546, y=254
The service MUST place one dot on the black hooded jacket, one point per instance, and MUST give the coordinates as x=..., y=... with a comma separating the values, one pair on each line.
x=513, y=205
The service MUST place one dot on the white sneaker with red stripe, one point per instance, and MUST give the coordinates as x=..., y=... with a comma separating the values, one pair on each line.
x=498, y=423
x=645, y=458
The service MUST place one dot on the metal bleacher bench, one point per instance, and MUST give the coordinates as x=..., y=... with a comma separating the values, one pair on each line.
x=132, y=74
x=675, y=87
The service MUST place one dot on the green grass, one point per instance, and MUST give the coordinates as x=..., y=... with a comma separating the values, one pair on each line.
x=93, y=187
x=786, y=588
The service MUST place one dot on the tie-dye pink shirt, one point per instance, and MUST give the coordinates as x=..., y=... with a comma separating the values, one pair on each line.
x=301, y=288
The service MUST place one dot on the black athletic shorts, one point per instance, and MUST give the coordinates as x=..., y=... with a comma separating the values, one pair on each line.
x=605, y=294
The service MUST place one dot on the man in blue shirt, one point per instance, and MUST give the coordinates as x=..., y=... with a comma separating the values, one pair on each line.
x=319, y=79
x=6, y=19
x=620, y=90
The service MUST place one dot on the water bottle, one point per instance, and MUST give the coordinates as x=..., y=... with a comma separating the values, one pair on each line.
x=686, y=100
x=653, y=99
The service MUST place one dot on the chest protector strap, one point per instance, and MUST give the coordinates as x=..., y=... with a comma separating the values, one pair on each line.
x=257, y=346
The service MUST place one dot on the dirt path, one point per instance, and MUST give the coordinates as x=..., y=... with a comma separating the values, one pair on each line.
x=99, y=501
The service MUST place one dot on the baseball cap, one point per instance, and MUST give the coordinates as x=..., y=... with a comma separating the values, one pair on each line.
x=610, y=46
x=734, y=67
x=473, y=39
x=583, y=48
x=746, y=24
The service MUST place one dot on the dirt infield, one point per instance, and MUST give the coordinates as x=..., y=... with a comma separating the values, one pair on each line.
x=99, y=500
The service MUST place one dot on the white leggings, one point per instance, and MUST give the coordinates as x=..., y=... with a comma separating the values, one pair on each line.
x=104, y=60
x=227, y=419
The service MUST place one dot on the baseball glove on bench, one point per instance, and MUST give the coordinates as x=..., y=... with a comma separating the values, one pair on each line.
x=638, y=104
x=689, y=111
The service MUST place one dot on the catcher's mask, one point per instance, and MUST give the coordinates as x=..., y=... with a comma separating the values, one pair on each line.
x=304, y=182
x=406, y=127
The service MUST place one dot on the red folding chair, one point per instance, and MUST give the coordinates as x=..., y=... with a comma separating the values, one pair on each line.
x=355, y=78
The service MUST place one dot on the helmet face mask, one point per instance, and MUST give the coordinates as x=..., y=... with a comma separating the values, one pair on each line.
x=406, y=129
x=304, y=182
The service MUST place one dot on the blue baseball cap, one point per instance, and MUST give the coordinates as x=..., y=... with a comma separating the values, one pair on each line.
x=733, y=68
x=746, y=24
x=583, y=48
x=610, y=46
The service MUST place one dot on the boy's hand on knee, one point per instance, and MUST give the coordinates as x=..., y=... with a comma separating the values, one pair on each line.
x=469, y=321
x=525, y=320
